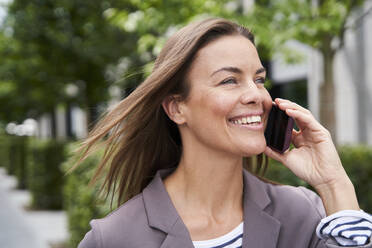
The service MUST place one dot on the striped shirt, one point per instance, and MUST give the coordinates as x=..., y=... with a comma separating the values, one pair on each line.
x=347, y=228
x=232, y=239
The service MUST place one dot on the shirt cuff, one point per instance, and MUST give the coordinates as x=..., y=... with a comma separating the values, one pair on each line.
x=347, y=227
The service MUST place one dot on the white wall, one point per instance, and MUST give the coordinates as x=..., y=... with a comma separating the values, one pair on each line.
x=44, y=127
x=346, y=115
x=283, y=72
x=79, y=122
x=61, y=122
x=368, y=67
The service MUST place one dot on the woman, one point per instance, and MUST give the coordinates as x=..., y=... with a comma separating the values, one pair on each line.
x=194, y=123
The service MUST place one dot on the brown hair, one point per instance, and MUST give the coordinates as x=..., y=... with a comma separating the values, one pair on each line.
x=139, y=137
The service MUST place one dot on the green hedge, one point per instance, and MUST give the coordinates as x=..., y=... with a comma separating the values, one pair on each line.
x=81, y=201
x=13, y=152
x=18, y=158
x=357, y=161
x=4, y=151
x=45, y=176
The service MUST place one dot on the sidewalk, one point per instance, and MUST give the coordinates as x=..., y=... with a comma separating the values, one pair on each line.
x=21, y=228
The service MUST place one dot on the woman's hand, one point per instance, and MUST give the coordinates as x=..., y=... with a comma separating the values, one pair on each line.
x=315, y=159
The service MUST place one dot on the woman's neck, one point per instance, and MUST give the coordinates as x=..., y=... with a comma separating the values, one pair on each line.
x=209, y=187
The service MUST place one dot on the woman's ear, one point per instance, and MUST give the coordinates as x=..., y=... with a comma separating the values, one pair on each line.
x=172, y=106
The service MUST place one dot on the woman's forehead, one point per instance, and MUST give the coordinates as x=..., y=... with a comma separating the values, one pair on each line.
x=233, y=50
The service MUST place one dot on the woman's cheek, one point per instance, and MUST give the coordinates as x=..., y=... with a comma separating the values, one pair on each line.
x=223, y=105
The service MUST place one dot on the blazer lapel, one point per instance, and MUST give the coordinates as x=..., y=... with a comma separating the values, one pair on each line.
x=176, y=241
x=261, y=230
x=162, y=214
x=178, y=236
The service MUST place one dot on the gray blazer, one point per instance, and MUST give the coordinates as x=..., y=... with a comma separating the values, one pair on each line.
x=274, y=216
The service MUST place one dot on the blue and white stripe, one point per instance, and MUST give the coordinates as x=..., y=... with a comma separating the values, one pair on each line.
x=232, y=239
x=347, y=228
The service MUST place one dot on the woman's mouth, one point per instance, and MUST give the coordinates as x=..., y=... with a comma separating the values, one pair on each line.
x=252, y=122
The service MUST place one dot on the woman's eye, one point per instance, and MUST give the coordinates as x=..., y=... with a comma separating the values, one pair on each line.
x=260, y=80
x=229, y=81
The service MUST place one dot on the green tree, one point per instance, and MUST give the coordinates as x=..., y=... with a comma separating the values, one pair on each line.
x=13, y=105
x=62, y=42
x=153, y=22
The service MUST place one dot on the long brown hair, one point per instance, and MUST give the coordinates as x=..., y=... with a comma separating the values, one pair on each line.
x=138, y=136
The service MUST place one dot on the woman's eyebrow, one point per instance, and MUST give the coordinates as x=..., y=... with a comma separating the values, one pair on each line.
x=229, y=68
x=236, y=70
x=261, y=70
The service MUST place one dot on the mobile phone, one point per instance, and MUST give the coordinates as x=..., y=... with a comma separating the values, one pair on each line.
x=278, y=132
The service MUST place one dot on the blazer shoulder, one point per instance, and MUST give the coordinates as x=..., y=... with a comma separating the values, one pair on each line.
x=299, y=210
x=299, y=200
x=126, y=225
x=133, y=208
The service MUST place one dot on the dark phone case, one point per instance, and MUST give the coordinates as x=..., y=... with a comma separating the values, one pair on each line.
x=278, y=131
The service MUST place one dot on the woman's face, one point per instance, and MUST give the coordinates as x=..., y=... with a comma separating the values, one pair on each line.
x=227, y=106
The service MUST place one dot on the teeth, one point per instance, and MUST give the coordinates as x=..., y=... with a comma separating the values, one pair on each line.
x=254, y=119
x=248, y=120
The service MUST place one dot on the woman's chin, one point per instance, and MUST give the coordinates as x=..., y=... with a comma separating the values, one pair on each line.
x=252, y=150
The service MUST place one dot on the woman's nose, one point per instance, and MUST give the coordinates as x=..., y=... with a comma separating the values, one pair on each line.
x=251, y=94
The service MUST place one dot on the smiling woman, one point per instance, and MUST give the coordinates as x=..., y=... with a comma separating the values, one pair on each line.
x=178, y=147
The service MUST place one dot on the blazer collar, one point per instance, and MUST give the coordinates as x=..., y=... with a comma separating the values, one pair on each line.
x=261, y=230
x=162, y=214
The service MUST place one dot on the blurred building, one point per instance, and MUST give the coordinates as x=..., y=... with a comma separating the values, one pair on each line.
x=352, y=75
x=75, y=119
x=70, y=121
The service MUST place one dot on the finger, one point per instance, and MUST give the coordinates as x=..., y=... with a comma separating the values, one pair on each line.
x=297, y=138
x=284, y=104
x=304, y=120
